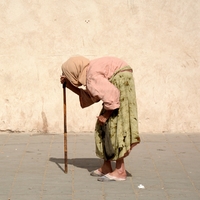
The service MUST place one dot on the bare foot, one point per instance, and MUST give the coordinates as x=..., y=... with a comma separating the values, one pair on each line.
x=118, y=174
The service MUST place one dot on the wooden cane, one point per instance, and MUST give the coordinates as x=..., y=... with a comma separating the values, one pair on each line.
x=65, y=126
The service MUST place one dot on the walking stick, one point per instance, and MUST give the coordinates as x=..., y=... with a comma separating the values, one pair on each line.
x=65, y=126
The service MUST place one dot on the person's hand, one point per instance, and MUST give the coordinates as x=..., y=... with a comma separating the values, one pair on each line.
x=101, y=120
x=62, y=79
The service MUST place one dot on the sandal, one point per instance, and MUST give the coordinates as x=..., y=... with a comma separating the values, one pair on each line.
x=96, y=173
x=108, y=177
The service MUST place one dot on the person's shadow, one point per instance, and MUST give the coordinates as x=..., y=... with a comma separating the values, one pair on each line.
x=86, y=163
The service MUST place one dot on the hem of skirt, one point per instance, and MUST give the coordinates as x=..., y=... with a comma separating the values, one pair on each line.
x=116, y=158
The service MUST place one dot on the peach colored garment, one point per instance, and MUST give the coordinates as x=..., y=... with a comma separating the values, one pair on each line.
x=98, y=86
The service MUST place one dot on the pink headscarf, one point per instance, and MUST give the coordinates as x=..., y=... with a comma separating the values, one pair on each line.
x=75, y=69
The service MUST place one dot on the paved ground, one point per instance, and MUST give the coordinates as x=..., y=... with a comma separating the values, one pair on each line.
x=31, y=168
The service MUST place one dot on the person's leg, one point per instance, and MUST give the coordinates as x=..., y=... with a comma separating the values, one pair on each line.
x=120, y=171
x=106, y=167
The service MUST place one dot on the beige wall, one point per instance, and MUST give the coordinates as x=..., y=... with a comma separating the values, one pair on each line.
x=160, y=40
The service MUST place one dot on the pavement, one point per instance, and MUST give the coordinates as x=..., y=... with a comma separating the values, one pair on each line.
x=163, y=166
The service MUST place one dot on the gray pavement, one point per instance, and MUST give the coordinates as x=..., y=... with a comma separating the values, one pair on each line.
x=163, y=166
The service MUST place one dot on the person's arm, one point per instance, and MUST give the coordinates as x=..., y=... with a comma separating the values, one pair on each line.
x=104, y=117
x=102, y=88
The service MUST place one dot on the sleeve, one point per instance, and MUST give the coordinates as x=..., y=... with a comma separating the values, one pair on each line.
x=100, y=87
x=85, y=99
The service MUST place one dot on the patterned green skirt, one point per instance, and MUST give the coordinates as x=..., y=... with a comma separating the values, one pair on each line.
x=114, y=138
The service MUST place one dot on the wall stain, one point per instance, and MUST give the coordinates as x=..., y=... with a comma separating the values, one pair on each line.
x=45, y=123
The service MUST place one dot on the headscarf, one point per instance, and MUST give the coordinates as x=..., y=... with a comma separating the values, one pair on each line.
x=75, y=70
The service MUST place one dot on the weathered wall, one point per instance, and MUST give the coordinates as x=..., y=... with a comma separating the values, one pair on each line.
x=160, y=40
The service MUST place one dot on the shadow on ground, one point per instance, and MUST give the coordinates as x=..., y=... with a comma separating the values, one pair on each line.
x=89, y=164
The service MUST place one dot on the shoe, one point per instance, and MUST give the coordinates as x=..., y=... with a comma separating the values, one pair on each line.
x=108, y=177
x=96, y=173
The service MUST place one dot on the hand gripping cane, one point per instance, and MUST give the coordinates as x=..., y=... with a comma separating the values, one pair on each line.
x=65, y=126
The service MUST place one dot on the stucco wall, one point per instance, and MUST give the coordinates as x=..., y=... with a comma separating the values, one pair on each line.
x=160, y=39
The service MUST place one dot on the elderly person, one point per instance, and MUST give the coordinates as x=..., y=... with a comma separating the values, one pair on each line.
x=110, y=80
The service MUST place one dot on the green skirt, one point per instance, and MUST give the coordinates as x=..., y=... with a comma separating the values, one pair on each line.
x=114, y=138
